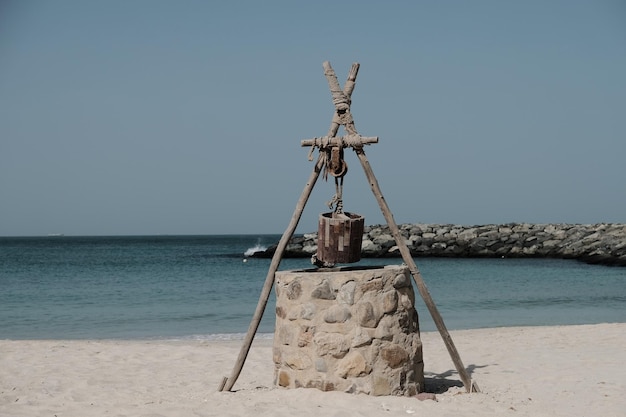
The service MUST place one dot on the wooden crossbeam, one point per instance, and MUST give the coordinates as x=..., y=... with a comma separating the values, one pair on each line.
x=340, y=141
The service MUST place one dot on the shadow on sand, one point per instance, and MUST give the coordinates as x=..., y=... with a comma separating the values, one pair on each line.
x=440, y=383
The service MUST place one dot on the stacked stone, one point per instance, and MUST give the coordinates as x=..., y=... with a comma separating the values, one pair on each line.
x=599, y=243
x=593, y=243
x=348, y=329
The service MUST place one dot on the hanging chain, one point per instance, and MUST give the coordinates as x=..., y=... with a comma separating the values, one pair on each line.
x=338, y=168
x=337, y=200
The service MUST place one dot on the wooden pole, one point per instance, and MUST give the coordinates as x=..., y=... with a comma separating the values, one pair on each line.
x=228, y=383
x=417, y=277
x=269, y=280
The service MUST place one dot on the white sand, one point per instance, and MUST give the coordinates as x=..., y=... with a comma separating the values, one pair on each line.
x=523, y=371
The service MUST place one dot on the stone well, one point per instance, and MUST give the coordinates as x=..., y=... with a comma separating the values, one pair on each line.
x=348, y=329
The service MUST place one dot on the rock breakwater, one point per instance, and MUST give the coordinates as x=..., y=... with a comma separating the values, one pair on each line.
x=602, y=243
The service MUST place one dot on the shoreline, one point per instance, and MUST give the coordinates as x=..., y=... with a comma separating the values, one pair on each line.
x=568, y=370
x=264, y=336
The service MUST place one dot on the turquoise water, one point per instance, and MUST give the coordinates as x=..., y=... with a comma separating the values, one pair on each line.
x=200, y=287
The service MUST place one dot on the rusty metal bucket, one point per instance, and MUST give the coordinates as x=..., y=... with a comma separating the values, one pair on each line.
x=339, y=237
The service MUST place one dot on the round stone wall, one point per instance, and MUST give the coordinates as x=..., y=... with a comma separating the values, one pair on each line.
x=348, y=329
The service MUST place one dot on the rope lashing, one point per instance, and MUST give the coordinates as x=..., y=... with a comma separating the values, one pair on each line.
x=340, y=100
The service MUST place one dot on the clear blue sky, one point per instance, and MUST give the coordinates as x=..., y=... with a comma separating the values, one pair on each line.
x=185, y=117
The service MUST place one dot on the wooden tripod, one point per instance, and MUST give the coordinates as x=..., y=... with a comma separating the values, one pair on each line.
x=343, y=117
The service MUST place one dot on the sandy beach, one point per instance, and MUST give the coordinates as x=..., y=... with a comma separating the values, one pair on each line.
x=522, y=371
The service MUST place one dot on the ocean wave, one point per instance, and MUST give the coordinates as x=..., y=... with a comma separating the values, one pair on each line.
x=256, y=248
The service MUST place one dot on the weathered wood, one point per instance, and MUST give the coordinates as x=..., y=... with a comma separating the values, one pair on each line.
x=417, y=277
x=341, y=141
x=269, y=280
x=339, y=237
x=343, y=117
x=338, y=100
x=280, y=249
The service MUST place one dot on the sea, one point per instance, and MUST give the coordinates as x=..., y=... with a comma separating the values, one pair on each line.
x=207, y=288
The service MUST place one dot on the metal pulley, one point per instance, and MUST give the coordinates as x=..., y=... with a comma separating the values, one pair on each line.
x=337, y=166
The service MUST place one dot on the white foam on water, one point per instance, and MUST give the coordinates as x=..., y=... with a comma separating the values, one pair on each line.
x=256, y=248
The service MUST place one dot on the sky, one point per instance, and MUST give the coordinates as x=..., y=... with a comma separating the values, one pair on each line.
x=151, y=117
